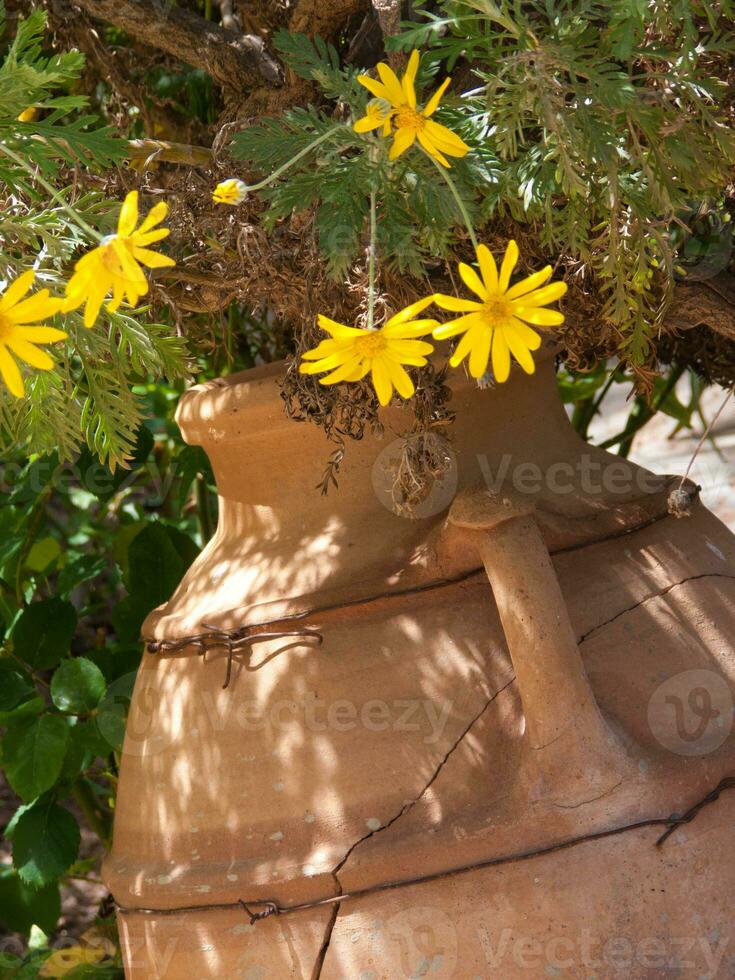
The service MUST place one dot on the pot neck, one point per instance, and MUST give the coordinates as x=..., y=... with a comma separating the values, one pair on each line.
x=282, y=548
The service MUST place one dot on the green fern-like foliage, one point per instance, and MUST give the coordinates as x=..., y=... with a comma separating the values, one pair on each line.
x=89, y=398
x=598, y=126
x=416, y=210
x=601, y=126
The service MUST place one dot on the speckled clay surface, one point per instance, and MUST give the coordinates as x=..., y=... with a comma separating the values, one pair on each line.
x=442, y=723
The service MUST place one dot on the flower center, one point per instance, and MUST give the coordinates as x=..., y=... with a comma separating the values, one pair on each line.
x=108, y=255
x=498, y=308
x=407, y=118
x=372, y=344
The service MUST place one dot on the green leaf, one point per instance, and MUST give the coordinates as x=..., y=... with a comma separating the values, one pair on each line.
x=34, y=706
x=42, y=554
x=22, y=907
x=80, y=570
x=157, y=559
x=45, y=843
x=33, y=753
x=14, y=688
x=43, y=632
x=191, y=461
x=78, y=685
x=100, y=480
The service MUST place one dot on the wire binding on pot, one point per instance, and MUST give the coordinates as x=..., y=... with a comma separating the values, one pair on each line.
x=231, y=639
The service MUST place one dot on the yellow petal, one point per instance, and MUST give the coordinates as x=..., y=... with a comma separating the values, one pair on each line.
x=488, y=268
x=374, y=87
x=465, y=346
x=432, y=149
x=519, y=350
x=118, y=295
x=408, y=82
x=10, y=373
x=95, y=298
x=408, y=313
x=401, y=381
x=539, y=317
x=327, y=363
x=456, y=304
x=445, y=139
x=408, y=331
x=390, y=81
x=154, y=217
x=472, y=280
x=32, y=355
x=39, y=335
x=154, y=260
x=403, y=139
x=458, y=326
x=324, y=349
x=543, y=296
x=358, y=372
x=337, y=329
x=530, y=283
x=132, y=276
x=412, y=67
x=16, y=290
x=410, y=348
x=128, y=215
x=480, y=353
x=527, y=334
x=381, y=381
x=348, y=371
x=433, y=104
x=500, y=357
x=368, y=123
x=509, y=263
x=40, y=306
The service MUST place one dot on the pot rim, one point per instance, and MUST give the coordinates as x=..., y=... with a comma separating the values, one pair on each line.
x=211, y=404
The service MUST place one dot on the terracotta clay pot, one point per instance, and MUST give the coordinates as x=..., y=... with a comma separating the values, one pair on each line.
x=455, y=752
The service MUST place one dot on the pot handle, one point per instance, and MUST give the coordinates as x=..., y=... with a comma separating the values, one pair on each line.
x=556, y=694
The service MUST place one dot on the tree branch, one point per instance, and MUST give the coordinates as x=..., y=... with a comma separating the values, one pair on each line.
x=234, y=61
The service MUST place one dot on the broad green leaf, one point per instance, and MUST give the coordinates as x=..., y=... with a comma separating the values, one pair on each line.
x=157, y=559
x=33, y=706
x=45, y=843
x=81, y=569
x=22, y=907
x=43, y=633
x=14, y=688
x=42, y=554
x=33, y=753
x=78, y=685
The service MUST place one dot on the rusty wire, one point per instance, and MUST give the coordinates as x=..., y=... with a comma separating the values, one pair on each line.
x=229, y=639
x=269, y=907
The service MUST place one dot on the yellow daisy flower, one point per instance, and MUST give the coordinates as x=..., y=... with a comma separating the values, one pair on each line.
x=116, y=264
x=396, y=107
x=351, y=353
x=231, y=191
x=20, y=333
x=494, y=326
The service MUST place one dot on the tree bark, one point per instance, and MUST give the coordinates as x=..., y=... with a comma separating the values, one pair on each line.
x=235, y=61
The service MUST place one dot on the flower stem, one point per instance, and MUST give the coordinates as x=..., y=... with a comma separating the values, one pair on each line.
x=457, y=197
x=371, y=261
x=35, y=175
x=295, y=159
